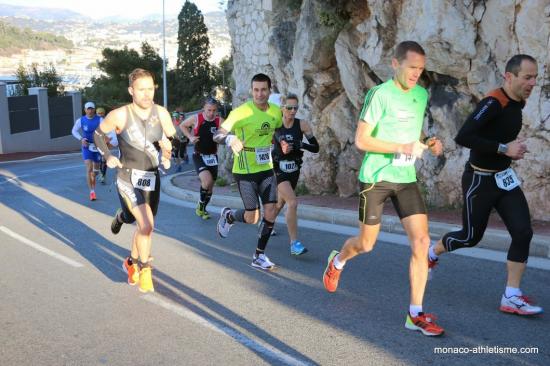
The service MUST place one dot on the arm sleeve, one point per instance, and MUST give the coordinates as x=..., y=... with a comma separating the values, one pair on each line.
x=75, y=129
x=312, y=145
x=112, y=138
x=373, y=107
x=469, y=136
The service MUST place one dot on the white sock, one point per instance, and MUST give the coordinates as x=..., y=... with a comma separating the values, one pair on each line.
x=92, y=191
x=432, y=254
x=512, y=291
x=337, y=263
x=414, y=310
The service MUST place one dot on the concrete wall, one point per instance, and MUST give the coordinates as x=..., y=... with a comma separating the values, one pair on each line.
x=38, y=140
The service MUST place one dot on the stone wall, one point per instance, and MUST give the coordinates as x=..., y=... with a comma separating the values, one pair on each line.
x=331, y=52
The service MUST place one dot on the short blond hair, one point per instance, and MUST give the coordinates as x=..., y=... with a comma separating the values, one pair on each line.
x=138, y=74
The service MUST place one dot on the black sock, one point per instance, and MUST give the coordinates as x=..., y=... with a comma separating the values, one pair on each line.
x=144, y=265
x=202, y=201
x=132, y=260
x=264, y=232
x=207, y=197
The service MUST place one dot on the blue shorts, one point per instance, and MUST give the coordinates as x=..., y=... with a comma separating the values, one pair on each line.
x=90, y=155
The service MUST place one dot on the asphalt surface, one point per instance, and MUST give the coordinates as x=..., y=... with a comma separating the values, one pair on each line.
x=65, y=300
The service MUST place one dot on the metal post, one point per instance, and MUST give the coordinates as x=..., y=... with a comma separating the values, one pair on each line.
x=164, y=89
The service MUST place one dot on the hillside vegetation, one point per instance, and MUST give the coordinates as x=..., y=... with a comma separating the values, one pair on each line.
x=13, y=39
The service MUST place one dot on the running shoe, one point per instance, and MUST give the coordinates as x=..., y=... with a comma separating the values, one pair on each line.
x=101, y=179
x=424, y=323
x=297, y=248
x=132, y=270
x=331, y=275
x=146, y=280
x=198, y=210
x=205, y=215
x=223, y=226
x=520, y=305
x=115, y=224
x=92, y=196
x=273, y=232
x=262, y=262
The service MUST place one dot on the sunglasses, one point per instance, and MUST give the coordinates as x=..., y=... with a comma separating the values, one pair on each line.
x=291, y=107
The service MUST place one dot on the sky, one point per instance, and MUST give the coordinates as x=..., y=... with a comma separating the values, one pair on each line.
x=128, y=8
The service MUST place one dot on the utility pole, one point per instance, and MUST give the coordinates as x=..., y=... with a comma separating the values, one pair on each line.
x=164, y=89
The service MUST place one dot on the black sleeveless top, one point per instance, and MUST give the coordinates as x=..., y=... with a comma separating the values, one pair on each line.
x=293, y=136
x=138, y=141
x=206, y=130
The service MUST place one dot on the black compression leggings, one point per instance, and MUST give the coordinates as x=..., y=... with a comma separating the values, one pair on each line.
x=481, y=195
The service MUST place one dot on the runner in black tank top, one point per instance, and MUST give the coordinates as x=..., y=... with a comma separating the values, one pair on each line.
x=491, y=134
x=204, y=125
x=142, y=127
x=287, y=160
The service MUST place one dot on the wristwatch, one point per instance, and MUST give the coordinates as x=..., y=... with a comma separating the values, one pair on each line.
x=502, y=149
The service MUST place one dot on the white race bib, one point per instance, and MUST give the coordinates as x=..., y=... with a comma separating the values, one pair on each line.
x=403, y=160
x=210, y=160
x=288, y=166
x=92, y=147
x=143, y=180
x=507, y=179
x=263, y=155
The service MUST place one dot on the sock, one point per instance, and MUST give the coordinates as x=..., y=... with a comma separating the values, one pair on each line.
x=202, y=200
x=235, y=215
x=512, y=291
x=293, y=242
x=92, y=190
x=207, y=198
x=414, y=310
x=337, y=263
x=264, y=232
x=432, y=254
x=258, y=252
x=144, y=265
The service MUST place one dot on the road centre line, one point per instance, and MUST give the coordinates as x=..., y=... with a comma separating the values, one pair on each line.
x=222, y=329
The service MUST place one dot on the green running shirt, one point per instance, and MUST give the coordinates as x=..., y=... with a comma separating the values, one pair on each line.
x=255, y=129
x=397, y=116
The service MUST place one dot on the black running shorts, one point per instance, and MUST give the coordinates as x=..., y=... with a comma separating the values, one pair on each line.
x=201, y=166
x=292, y=178
x=406, y=199
x=257, y=187
x=131, y=197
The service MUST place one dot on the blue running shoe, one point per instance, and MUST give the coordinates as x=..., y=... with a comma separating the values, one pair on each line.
x=297, y=248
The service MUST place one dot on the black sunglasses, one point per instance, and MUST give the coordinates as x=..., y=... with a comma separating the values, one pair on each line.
x=291, y=107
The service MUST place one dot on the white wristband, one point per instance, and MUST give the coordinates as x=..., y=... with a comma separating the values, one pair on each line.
x=229, y=139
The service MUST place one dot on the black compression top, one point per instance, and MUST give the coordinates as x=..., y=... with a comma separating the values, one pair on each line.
x=138, y=141
x=496, y=120
x=293, y=136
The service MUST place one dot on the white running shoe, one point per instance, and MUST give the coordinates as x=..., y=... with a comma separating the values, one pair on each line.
x=520, y=305
x=262, y=261
x=223, y=226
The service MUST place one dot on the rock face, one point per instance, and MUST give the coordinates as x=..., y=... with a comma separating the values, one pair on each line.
x=331, y=52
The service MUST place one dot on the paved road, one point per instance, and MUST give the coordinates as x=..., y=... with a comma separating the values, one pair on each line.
x=65, y=300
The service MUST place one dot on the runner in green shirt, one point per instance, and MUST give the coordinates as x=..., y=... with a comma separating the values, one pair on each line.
x=389, y=131
x=248, y=130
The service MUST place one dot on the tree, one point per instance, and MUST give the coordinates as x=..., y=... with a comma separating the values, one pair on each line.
x=111, y=90
x=224, y=83
x=193, y=78
x=33, y=77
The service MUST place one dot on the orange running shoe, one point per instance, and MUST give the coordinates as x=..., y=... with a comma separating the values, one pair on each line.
x=92, y=196
x=132, y=270
x=146, y=280
x=424, y=323
x=331, y=275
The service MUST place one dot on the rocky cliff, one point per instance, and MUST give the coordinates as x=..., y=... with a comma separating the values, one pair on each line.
x=331, y=52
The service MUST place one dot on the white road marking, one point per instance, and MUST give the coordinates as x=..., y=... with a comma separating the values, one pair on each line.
x=62, y=168
x=44, y=157
x=40, y=248
x=14, y=178
x=215, y=326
